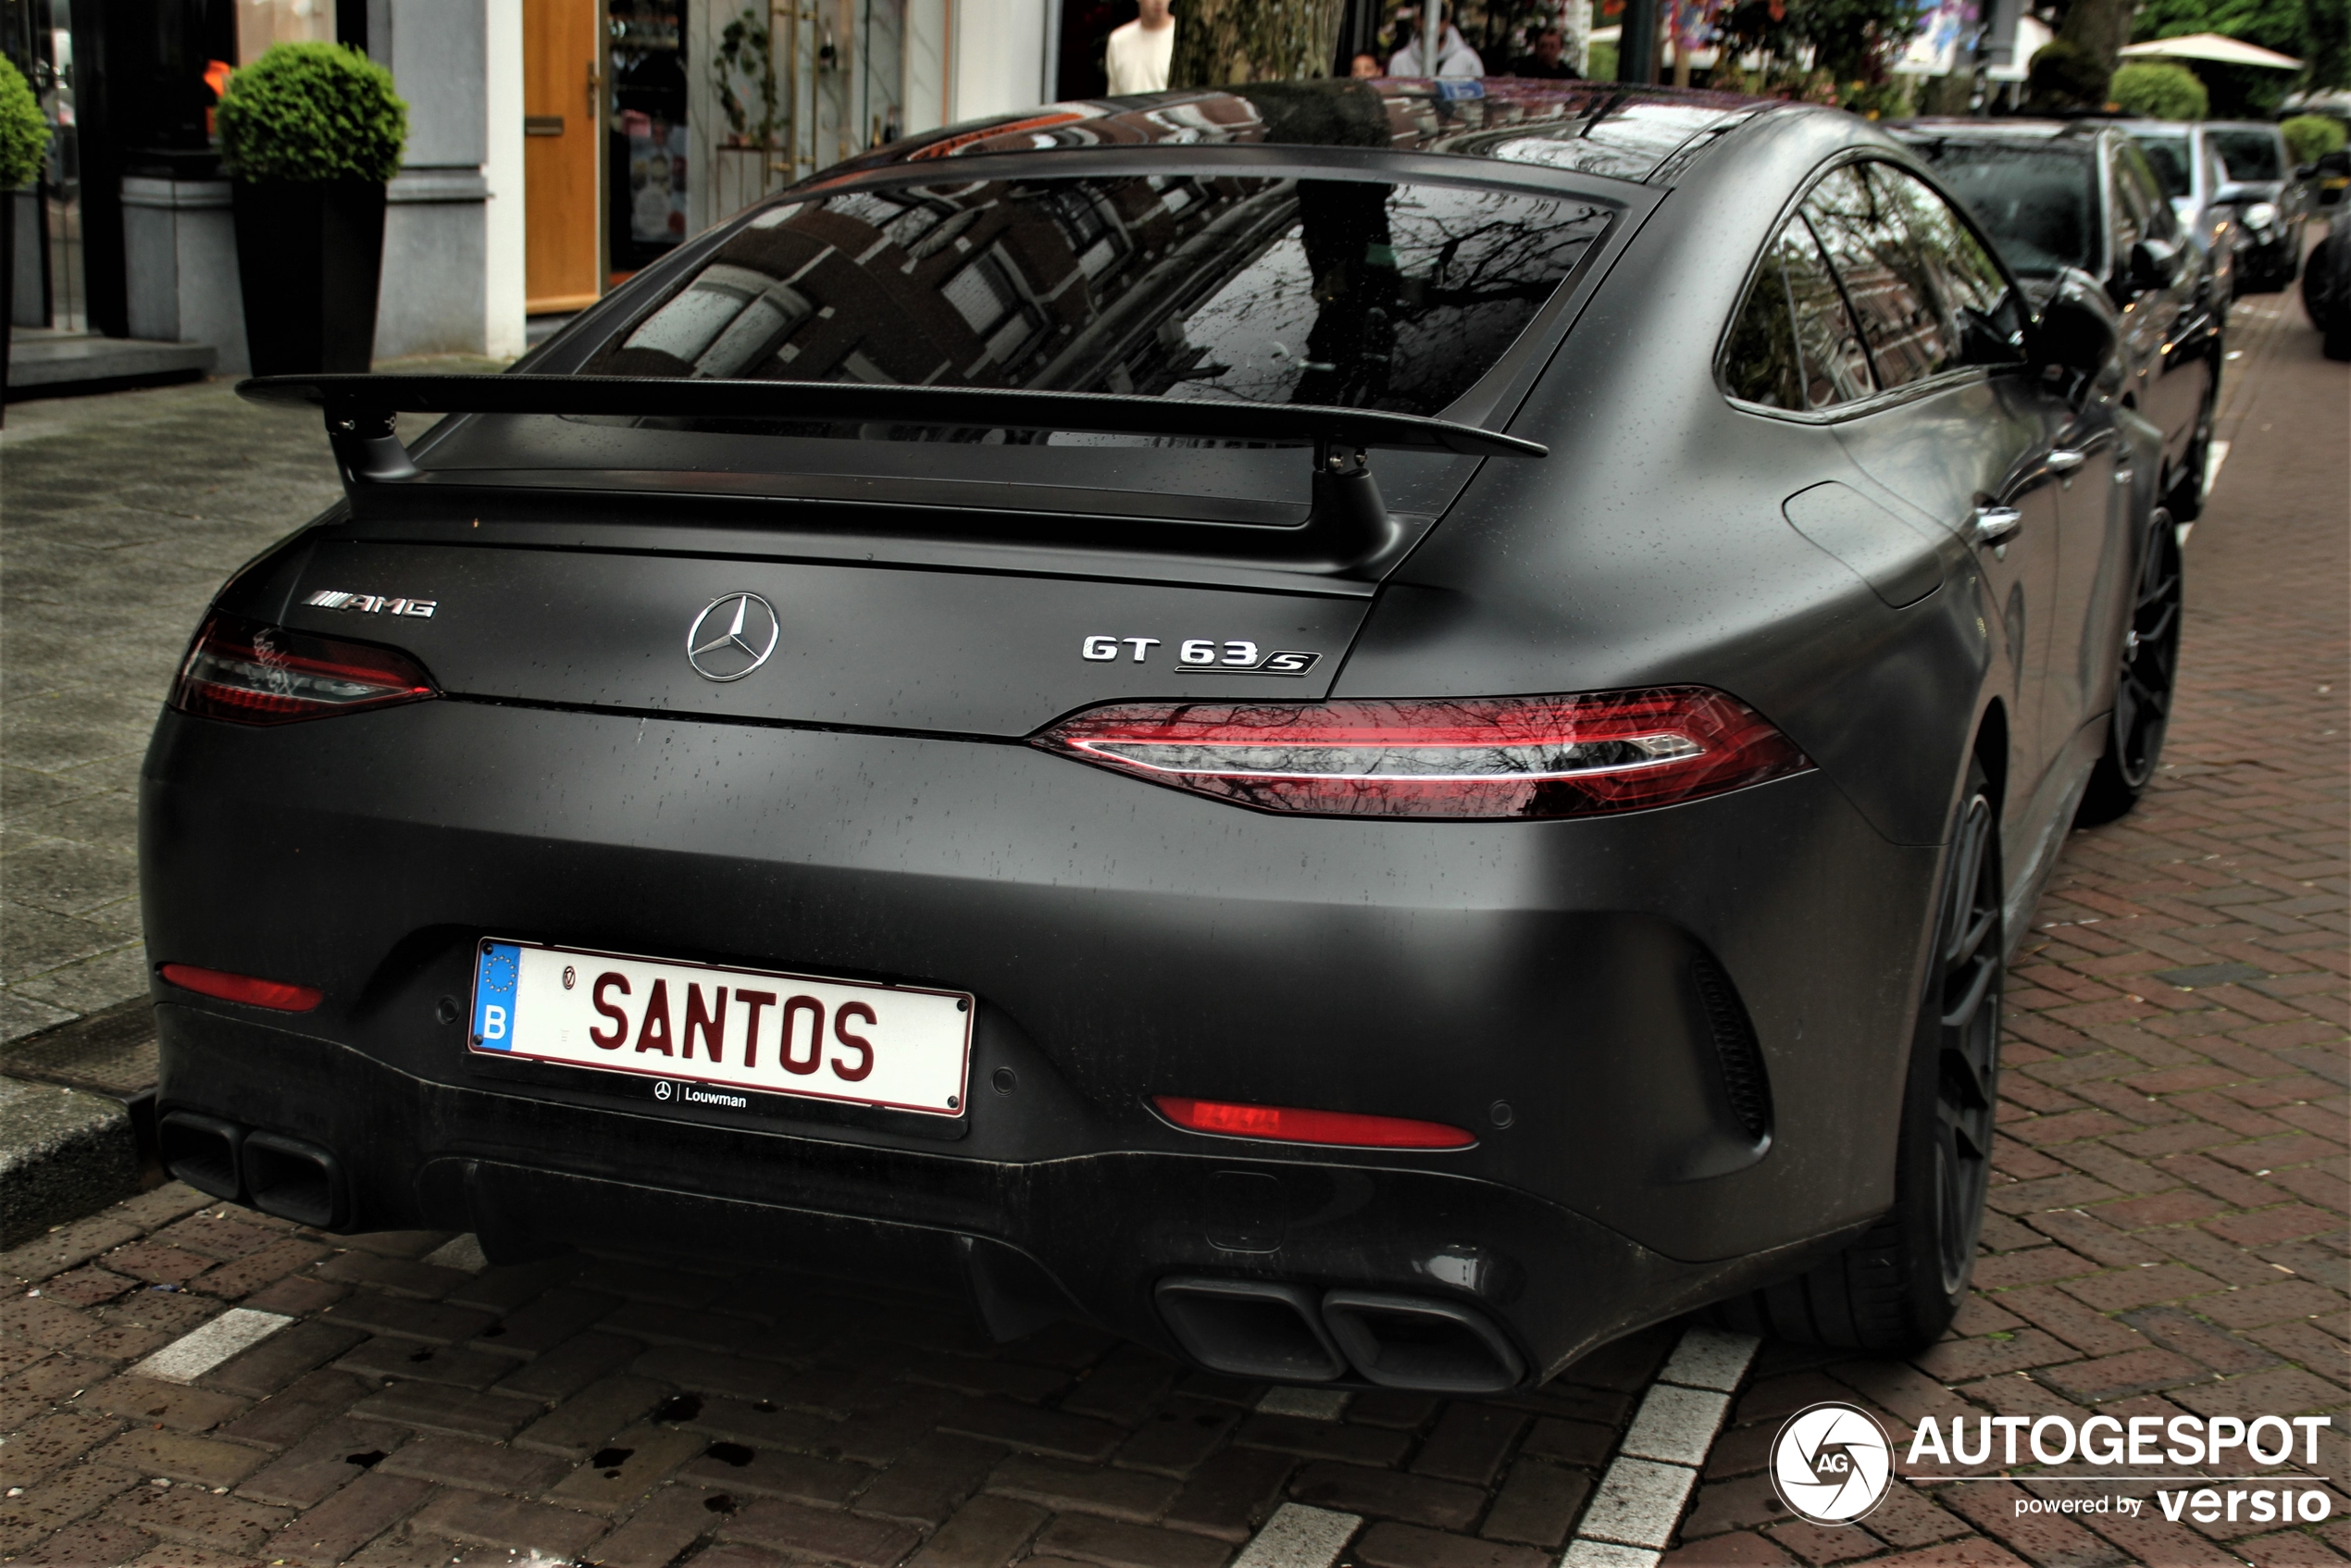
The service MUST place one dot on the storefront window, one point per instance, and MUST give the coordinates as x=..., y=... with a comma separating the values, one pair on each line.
x=648, y=165
x=261, y=23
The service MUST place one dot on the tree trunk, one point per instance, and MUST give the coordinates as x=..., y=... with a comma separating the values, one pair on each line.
x=1227, y=42
x=2098, y=28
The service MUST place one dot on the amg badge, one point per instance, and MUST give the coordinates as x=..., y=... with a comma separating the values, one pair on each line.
x=372, y=603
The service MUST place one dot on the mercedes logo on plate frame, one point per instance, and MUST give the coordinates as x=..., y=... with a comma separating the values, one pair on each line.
x=732, y=637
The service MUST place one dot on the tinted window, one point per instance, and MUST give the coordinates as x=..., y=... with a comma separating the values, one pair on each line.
x=2131, y=209
x=1963, y=283
x=2037, y=204
x=2131, y=164
x=1793, y=346
x=2167, y=156
x=1269, y=291
x=2249, y=155
x=1884, y=277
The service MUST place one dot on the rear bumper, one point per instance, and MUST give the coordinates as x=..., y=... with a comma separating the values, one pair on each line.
x=1094, y=1232
x=1122, y=941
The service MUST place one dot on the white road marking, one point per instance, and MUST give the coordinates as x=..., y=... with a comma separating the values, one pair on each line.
x=1300, y=1536
x=1641, y=1499
x=1607, y=1554
x=1676, y=1424
x=1710, y=1358
x=459, y=1252
x=2214, y=456
x=1314, y=1404
x=1638, y=1503
x=202, y=1349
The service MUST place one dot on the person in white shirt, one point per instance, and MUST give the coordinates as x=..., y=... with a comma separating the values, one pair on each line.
x=1455, y=57
x=1139, y=52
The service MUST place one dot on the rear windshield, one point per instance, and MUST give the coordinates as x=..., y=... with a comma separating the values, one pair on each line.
x=2039, y=204
x=2249, y=155
x=1263, y=290
x=2168, y=156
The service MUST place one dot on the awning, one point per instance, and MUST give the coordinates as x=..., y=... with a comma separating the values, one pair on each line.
x=2213, y=46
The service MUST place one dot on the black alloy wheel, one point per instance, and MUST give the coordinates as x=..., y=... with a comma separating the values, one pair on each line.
x=1970, y=967
x=2143, y=685
x=1898, y=1286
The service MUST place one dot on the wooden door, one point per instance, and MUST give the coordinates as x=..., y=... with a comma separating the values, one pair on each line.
x=563, y=125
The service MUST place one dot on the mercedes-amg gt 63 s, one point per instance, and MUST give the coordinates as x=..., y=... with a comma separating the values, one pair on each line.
x=1370, y=731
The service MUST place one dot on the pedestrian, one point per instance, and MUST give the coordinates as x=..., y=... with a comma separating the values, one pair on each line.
x=1454, y=57
x=1548, y=62
x=1365, y=68
x=1138, y=53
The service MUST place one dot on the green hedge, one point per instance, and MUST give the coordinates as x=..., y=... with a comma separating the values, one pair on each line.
x=2312, y=137
x=310, y=112
x=2158, y=90
x=24, y=135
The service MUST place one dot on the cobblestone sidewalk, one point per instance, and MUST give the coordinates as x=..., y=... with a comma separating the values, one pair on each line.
x=120, y=516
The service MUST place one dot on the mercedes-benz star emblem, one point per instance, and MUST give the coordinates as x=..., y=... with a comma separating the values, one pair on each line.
x=732, y=637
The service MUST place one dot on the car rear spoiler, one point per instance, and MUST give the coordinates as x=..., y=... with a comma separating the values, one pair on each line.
x=1348, y=517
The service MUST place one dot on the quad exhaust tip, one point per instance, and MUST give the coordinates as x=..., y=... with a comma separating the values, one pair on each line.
x=280, y=1176
x=1290, y=1334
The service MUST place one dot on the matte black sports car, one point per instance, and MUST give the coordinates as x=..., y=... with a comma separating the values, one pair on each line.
x=2084, y=194
x=1372, y=732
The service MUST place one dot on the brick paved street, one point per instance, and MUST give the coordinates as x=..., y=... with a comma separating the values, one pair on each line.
x=2167, y=1237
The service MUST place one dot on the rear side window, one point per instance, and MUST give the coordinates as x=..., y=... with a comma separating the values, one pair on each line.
x=2131, y=164
x=2249, y=155
x=1962, y=285
x=1370, y=294
x=1794, y=345
x=2167, y=156
x=1885, y=276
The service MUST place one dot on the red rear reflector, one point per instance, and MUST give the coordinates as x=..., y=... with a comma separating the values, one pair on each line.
x=250, y=673
x=1472, y=757
x=275, y=995
x=1287, y=1123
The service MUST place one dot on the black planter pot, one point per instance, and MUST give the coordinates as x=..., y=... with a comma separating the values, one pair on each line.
x=309, y=256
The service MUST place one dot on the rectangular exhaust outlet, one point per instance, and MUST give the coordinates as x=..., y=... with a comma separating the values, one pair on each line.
x=1251, y=1328
x=1421, y=1343
x=201, y=1151
x=294, y=1180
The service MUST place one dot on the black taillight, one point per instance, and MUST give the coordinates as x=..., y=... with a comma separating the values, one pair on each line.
x=251, y=673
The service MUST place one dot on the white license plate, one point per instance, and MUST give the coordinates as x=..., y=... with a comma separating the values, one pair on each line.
x=732, y=1029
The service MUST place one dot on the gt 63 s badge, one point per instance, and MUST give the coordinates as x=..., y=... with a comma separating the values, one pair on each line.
x=1207, y=654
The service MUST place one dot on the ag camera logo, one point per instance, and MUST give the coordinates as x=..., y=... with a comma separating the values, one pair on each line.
x=1832, y=1463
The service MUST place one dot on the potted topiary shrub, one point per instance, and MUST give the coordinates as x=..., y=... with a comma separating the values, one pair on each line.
x=310, y=134
x=24, y=142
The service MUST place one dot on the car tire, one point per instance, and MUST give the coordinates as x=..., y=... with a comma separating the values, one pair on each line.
x=2142, y=683
x=1896, y=1289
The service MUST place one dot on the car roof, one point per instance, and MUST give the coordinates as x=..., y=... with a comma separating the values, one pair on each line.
x=1603, y=128
x=1958, y=129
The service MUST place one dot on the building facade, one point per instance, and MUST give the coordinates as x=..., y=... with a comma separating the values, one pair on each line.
x=555, y=146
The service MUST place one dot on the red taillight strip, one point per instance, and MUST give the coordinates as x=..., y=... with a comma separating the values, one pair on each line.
x=277, y=995
x=1289, y=1123
x=1480, y=757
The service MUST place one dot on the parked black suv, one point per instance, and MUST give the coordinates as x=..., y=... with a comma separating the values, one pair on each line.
x=2080, y=194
